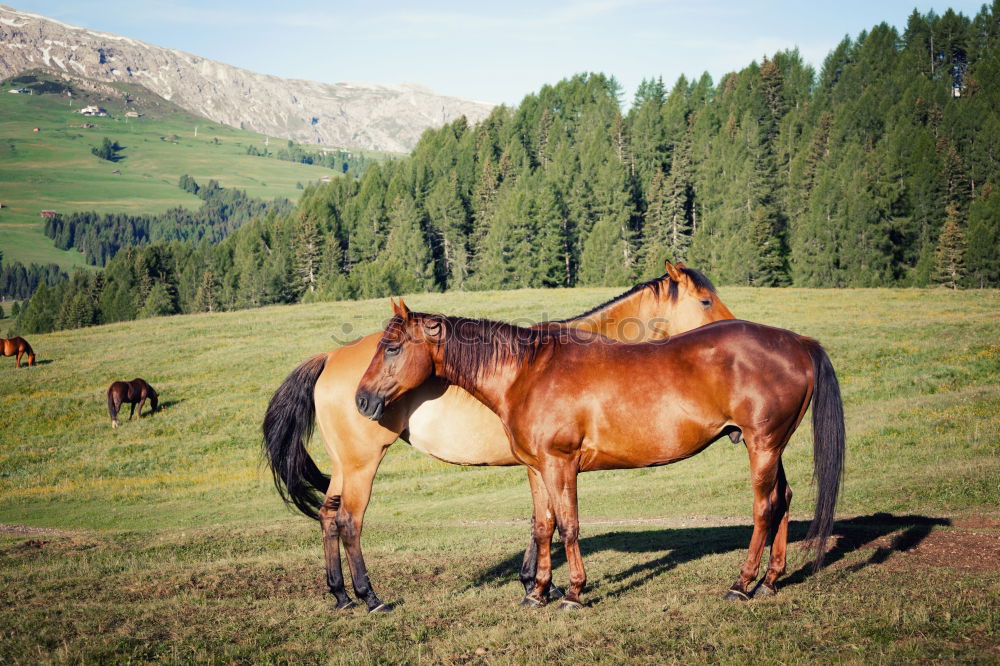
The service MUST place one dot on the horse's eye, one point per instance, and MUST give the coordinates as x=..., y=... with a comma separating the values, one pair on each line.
x=706, y=302
x=391, y=351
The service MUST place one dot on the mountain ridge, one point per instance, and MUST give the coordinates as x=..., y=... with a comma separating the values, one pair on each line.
x=387, y=117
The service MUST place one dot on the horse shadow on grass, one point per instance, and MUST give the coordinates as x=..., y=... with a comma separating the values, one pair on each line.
x=167, y=404
x=686, y=544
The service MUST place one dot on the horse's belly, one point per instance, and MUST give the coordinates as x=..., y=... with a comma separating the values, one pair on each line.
x=631, y=447
x=458, y=429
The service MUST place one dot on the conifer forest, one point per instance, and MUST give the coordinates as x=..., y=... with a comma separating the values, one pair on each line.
x=880, y=169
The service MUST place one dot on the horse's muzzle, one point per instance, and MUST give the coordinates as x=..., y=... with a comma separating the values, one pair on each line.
x=370, y=405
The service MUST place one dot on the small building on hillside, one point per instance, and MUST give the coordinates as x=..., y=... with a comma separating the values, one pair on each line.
x=93, y=111
x=133, y=114
x=20, y=91
x=48, y=213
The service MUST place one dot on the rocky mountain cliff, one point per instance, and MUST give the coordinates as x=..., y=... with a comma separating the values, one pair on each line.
x=355, y=115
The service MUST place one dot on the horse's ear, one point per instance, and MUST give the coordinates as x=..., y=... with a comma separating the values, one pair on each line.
x=674, y=271
x=403, y=311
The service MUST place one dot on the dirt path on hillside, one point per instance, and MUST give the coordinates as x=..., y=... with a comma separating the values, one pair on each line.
x=27, y=530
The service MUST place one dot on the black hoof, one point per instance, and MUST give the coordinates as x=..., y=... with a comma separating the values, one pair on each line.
x=555, y=592
x=532, y=602
x=381, y=608
x=346, y=605
x=567, y=605
x=763, y=591
x=734, y=594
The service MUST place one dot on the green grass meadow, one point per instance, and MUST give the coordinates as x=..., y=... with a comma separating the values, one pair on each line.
x=54, y=168
x=165, y=541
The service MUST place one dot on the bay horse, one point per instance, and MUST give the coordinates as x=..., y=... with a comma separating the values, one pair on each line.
x=135, y=391
x=438, y=418
x=574, y=401
x=19, y=346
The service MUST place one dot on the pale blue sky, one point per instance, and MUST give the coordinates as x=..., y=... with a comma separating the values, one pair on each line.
x=495, y=52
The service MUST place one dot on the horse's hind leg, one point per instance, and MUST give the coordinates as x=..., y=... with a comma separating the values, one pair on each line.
x=331, y=551
x=764, y=462
x=781, y=499
x=116, y=405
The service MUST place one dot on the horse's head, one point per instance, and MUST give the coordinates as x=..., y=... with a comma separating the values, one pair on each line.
x=154, y=399
x=689, y=302
x=402, y=361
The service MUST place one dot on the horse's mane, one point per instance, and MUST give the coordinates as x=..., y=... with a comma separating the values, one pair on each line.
x=474, y=348
x=654, y=285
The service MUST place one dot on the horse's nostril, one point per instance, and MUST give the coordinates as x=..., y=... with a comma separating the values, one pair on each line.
x=362, y=402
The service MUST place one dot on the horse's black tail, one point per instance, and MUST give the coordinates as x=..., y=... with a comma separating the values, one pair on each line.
x=288, y=425
x=828, y=449
x=111, y=405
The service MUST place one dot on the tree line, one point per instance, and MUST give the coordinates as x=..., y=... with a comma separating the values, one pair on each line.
x=879, y=170
x=100, y=236
x=343, y=161
x=18, y=281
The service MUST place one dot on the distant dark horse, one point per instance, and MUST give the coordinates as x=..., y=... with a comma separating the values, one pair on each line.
x=135, y=391
x=17, y=346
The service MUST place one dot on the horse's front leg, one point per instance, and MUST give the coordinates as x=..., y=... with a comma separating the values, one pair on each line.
x=131, y=410
x=559, y=475
x=141, y=403
x=350, y=517
x=542, y=527
x=529, y=564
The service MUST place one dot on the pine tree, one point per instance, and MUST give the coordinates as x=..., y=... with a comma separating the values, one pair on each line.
x=950, y=255
x=601, y=261
x=449, y=226
x=982, y=260
x=407, y=252
x=656, y=228
x=551, y=255
x=308, y=251
x=159, y=302
x=205, y=297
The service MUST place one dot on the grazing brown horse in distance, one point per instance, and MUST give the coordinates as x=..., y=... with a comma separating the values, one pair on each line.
x=438, y=418
x=573, y=401
x=18, y=346
x=135, y=391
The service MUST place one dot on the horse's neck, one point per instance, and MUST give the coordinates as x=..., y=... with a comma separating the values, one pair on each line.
x=608, y=319
x=489, y=388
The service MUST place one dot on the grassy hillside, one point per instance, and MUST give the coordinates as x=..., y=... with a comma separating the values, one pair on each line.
x=54, y=168
x=165, y=540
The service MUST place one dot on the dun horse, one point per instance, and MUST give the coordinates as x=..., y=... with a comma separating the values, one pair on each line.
x=135, y=391
x=18, y=346
x=575, y=402
x=437, y=418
